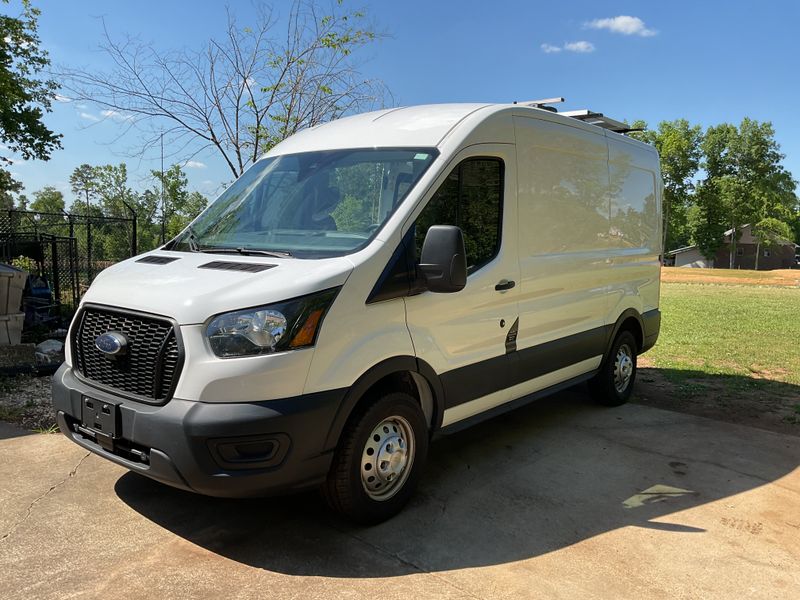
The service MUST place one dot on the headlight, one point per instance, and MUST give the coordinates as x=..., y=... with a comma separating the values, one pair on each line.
x=273, y=328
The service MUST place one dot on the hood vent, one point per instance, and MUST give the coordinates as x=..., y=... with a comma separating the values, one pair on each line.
x=236, y=266
x=157, y=260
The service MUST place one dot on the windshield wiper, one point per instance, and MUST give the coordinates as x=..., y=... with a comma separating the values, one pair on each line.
x=245, y=251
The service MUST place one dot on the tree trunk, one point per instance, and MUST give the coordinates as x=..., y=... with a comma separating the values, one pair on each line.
x=758, y=252
x=732, y=247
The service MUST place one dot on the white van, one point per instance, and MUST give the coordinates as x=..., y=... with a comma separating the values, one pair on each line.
x=366, y=284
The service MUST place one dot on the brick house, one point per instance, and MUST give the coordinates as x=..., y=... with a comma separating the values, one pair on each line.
x=777, y=257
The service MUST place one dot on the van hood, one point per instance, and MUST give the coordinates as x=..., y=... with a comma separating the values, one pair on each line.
x=190, y=292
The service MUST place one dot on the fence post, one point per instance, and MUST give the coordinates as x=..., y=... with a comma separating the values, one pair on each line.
x=134, y=244
x=88, y=251
x=55, y=270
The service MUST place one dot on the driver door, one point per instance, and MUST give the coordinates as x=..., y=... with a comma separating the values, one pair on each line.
x=469, y=337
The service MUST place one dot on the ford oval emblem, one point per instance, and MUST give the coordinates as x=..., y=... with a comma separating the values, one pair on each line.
x=111, y=343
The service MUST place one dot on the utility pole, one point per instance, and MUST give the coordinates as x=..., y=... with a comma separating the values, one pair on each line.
x=163, y=199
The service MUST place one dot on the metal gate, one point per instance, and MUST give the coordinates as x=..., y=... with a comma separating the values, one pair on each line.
x=68, y=250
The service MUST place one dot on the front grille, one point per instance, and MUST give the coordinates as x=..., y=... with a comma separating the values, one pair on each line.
x=151, y=365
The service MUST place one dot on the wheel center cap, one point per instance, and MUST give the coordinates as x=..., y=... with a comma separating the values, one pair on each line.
x=392, y=456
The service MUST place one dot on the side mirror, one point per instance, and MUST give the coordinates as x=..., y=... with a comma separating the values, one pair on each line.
x=444, y=259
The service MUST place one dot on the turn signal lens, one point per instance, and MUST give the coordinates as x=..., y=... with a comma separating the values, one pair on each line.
x=305, y=337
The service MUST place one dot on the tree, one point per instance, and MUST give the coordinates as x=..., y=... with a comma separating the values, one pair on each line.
x=24, y=95
x=678, y=145
x=180, y=206
x=245, y=91
x=745, y=183
x=770, y=233
x=82, y=182
x=8, y=187
x=48, y=200
x=193, y=204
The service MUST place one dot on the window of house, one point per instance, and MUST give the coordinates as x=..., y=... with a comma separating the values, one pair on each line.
x=740, y=251
x=471, y=198
x=767, y=253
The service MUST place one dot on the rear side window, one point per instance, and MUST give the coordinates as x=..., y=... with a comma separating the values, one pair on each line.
x=471, y=198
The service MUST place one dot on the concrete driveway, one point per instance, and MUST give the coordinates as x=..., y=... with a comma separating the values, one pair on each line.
x=560, y=499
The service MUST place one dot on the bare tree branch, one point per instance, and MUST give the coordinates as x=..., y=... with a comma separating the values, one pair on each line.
x=244, y=91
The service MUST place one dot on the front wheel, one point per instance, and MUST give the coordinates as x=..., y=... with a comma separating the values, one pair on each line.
x=379, y=459
x=613, y=385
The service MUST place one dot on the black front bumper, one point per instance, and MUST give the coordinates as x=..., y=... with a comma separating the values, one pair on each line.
x=218, y=449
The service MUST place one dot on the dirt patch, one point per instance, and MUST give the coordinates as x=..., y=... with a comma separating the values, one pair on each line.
x=756, y=402
x=777, y=278
x=25, y=401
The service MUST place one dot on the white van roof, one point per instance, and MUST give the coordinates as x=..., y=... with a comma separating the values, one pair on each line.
x=420, y=126
x=411, y=126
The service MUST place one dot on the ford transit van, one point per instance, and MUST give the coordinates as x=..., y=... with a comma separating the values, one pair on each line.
x=369, y=283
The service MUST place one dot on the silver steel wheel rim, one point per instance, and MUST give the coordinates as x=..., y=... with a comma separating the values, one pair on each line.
x=387, y=458
x=623, y=368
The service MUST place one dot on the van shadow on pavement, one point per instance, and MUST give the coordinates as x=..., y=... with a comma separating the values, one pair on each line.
x=532, y=481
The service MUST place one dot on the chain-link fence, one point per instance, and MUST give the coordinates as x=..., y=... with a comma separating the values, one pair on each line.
x=65, y=250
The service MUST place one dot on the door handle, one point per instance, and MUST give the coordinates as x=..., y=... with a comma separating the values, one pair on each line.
x=504, y=285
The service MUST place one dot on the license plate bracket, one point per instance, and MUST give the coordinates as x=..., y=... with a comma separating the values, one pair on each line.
x=101, y=417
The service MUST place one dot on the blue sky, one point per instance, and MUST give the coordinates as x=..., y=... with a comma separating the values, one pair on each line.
x=705, y=61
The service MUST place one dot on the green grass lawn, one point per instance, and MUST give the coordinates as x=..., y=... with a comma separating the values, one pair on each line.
x=730, y=330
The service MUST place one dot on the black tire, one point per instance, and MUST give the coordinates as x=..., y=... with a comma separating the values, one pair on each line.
x=346, y=490
x=605, y=386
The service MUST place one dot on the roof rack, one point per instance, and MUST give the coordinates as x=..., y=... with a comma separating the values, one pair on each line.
x=599, y=119
x=585, y=115
x=543, y=103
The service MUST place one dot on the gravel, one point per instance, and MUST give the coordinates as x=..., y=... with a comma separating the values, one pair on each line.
x=25, y=401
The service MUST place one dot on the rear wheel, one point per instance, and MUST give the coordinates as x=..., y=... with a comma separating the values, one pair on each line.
x=379, y=459
x=613, y=385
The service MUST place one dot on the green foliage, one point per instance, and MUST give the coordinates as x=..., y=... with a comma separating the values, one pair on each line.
x=82, y=183
x=24, y=95
x=180, y=206
x=745, y=182
x=25, y=263
x=678, y=145
x=48, y=200
x=771, y=232
x=8, y=188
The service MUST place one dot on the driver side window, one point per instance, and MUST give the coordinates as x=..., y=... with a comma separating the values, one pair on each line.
x=471, y=198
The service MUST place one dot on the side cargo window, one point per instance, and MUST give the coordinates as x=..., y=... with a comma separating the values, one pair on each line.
x=471, y=198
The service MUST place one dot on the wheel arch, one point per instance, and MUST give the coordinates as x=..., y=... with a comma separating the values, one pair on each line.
x=629, y=320
x=399, y=373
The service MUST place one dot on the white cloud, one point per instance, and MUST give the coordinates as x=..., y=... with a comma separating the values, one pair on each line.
x=582, y=47
x=81, y=106
x=550, y=49
x=117, y=116
x=60, y=98
x=623, y=24
x=89, y=116
x=194, y=164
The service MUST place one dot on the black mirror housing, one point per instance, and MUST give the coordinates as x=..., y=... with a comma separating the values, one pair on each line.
x=444, y=259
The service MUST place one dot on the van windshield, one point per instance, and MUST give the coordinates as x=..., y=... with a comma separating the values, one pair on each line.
x=308, y=205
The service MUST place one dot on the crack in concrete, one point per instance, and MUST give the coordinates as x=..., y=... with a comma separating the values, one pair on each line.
x=72, y=473
x=408, y=563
